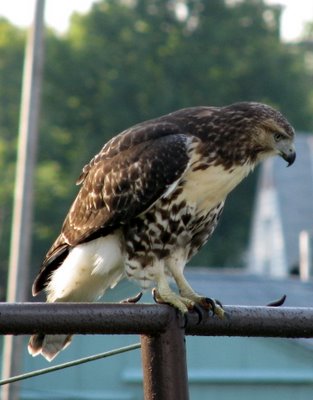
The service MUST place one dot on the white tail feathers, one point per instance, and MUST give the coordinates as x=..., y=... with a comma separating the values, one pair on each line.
x=88, y=270
x=49, y=346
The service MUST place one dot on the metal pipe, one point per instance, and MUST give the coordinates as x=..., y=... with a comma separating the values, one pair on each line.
x=288, y=322
x=28, y=318
x=164, y=364
x=85, y=318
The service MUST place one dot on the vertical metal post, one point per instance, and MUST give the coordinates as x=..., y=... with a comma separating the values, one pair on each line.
x=23, y=198
x=164, y=364
x=26, y=159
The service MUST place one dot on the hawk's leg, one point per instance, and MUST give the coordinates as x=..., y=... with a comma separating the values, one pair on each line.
x=187, y=292
x=186, y=300
x=195, y=308
x=164, y=294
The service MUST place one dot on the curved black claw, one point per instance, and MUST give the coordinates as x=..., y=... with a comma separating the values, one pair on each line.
x=218, y=303
x=132, y=300
x=184, y=316
x=215, y=306
x=156, y=296
x=212, y=303
x=199, y=310
x=277, y=303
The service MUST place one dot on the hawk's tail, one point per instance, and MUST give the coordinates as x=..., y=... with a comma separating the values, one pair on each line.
x=48, y=345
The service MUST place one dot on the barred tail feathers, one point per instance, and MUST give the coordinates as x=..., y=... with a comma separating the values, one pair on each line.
x=49, y=346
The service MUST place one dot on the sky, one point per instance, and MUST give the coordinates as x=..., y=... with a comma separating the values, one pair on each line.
x=57, y=13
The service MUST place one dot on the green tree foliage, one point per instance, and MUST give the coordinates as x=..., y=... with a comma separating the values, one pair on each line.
x=11, y=58
x=124, y=62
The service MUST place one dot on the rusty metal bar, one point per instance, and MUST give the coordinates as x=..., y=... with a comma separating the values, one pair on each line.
x=288, y=322
x=85, y=318
x=164, y=364
x=163, y=348
x=28, y=318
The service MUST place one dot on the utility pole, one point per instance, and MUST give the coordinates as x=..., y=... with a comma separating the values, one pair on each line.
x=23, y=197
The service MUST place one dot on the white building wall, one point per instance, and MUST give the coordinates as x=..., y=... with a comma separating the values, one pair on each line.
x=267, y=253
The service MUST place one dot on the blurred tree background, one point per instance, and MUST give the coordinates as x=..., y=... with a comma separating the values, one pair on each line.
x=128, y=61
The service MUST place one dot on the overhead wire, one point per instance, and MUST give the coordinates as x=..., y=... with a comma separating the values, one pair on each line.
x=69, y=364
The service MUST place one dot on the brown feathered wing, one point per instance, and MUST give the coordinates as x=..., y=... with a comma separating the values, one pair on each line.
x=131, y=172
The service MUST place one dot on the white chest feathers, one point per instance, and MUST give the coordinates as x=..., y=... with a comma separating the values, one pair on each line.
x=205, y=188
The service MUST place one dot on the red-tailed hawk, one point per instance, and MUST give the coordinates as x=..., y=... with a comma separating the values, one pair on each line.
x=150, y=199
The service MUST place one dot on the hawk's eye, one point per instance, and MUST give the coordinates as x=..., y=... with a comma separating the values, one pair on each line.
x=278, y=137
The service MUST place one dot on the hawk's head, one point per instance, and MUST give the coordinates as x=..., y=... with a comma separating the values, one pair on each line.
x=263, y=130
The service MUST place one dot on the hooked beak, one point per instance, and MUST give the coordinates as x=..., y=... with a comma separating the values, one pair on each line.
x=289, y=155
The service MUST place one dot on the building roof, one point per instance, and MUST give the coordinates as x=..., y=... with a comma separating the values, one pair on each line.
x=238, y=288
x=234, y=287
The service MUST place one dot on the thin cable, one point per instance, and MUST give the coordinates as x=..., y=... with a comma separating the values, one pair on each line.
x=70, y=364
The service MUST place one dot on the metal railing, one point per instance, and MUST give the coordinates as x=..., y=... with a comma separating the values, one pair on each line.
x=161, y=328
